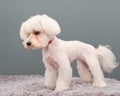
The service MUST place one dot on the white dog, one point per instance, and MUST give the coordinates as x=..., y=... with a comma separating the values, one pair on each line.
x=40, y=32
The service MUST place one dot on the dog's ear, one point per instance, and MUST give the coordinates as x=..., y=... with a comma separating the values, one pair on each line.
x=50, y=26
x=22, y=36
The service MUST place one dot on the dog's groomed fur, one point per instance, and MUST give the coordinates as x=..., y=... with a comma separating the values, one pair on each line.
x=40, y=32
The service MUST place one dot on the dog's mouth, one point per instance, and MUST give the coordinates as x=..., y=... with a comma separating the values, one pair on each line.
x=31, y=47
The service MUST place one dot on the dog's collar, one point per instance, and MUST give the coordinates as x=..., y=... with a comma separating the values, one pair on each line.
x=51, y=41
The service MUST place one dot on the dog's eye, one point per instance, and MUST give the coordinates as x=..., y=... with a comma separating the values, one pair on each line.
x=27, y=34
x=36, y=32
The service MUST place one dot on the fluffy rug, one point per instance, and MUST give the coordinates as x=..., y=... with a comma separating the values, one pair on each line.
x=33, y=86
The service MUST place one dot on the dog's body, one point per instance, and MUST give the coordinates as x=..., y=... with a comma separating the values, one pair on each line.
x=58, y=54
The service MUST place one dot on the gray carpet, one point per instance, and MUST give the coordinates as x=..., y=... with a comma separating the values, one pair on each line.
x=33, y=86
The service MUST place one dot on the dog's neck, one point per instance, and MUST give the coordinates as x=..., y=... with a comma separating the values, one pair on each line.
x=50, y=42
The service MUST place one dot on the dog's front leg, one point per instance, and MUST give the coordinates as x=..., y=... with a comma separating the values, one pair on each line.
x=64, y=73
x=50, y=76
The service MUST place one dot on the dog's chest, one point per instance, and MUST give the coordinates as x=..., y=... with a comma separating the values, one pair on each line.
x=49, y=59
x=52, y=62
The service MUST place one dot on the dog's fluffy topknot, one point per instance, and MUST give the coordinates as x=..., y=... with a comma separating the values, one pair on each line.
x=50, y=26
x=42, y=23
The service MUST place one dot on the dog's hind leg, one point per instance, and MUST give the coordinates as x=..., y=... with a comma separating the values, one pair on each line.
x=96, y=71
x=84, y=71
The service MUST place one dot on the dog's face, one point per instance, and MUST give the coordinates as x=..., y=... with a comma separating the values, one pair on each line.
x=35, y=40
x=37, y=31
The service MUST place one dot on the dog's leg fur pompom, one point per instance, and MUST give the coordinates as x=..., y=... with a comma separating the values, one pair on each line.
x=106, y=58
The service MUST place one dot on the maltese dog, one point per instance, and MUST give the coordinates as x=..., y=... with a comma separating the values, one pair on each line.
x=40, y=32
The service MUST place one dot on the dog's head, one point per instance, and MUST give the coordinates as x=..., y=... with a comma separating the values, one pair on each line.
x=37, y=31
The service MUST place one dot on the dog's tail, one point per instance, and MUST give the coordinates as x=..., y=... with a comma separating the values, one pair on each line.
x=106, y=58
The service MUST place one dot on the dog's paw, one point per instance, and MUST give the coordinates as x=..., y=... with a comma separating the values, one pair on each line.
x=99, y=84
x=87, y=79
x=49, y=85
x=61, y=88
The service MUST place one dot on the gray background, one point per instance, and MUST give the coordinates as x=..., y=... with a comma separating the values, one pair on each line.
x=91, y=21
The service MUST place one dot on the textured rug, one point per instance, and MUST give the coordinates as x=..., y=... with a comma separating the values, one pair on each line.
x=33, y=86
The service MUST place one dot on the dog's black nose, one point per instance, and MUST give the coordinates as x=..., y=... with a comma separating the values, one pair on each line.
x=28, y=43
